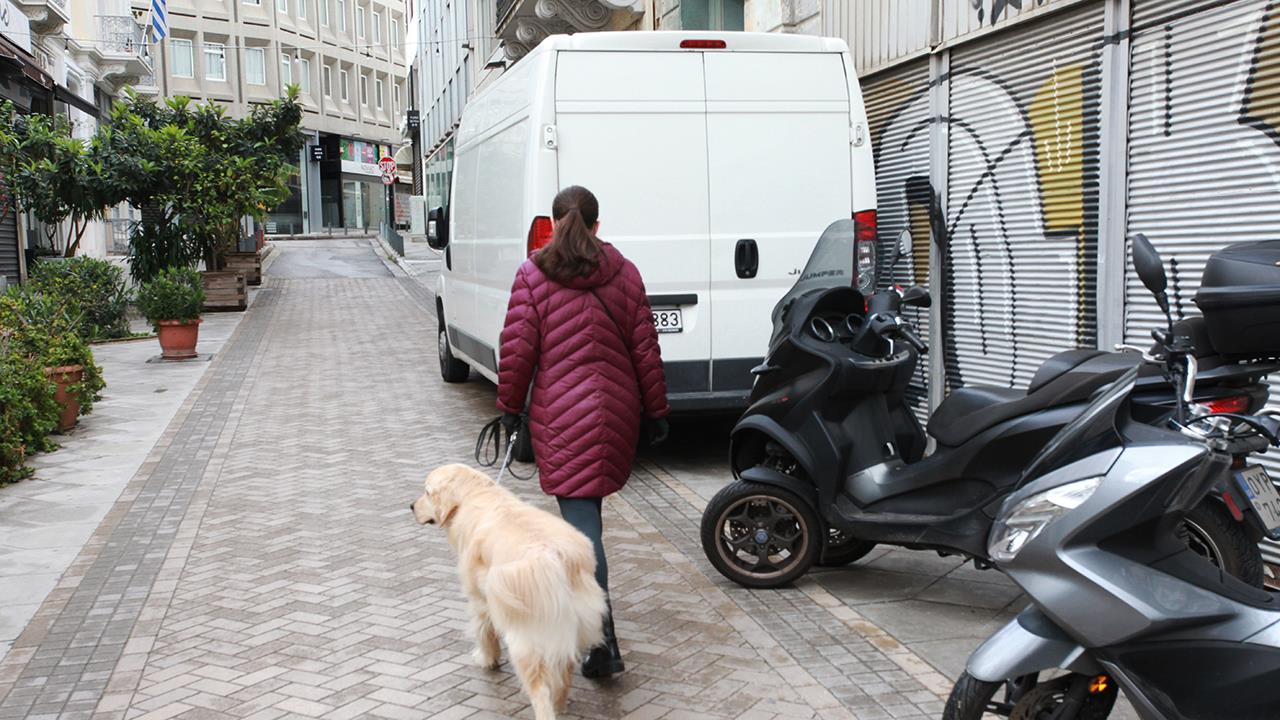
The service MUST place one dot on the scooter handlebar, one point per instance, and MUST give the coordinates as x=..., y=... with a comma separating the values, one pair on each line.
x=908, y=333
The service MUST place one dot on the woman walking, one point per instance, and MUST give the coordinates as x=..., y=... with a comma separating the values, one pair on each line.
x=579, y=329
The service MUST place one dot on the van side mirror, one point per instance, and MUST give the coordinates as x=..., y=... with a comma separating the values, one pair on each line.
x=1150, y=268
x=437, y=229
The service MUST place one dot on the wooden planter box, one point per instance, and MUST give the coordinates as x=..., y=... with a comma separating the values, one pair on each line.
x=225, y=291
x=248, y=263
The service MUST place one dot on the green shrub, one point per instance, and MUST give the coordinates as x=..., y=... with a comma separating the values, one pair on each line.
x=42, y=330
x=177, y=293
x=28, y=411
x=91, y=288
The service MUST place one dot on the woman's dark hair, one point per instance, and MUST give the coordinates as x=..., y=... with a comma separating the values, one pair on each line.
x=574, y=250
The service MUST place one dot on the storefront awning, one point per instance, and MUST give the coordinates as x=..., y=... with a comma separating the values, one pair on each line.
x=70, y=98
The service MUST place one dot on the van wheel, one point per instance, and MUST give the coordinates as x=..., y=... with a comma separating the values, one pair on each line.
x=759, y=535
x=452, y=369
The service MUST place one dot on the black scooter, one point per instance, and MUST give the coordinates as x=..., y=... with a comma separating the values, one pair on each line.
x=829, y=458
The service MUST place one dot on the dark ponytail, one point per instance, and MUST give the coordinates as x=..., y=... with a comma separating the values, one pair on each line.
x=574, y=250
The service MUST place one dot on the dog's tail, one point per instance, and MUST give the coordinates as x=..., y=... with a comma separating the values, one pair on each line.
x=555, y=595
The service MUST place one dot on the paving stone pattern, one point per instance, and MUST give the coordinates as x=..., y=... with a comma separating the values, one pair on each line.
x=264, y=563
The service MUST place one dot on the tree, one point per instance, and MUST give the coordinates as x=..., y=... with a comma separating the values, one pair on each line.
x=56, y=177
x=199, y=173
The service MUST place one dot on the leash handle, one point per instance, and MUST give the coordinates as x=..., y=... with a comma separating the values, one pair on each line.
x=506, y=461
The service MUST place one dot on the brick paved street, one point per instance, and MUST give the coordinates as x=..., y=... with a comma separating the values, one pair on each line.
x=263, y=563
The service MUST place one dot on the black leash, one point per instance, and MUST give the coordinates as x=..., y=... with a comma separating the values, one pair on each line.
x=489, y=448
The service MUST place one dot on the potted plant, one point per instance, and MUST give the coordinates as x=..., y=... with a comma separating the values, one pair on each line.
x=172, y=303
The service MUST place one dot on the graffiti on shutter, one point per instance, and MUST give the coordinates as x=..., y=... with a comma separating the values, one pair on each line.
x=898, y=113
x=1020, y=269
x=1204, y=147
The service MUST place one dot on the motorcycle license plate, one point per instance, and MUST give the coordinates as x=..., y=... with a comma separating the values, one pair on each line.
x=668, y=320
x=1257, y=485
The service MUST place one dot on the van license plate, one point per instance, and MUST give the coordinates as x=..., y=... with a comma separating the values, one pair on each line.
x=1262, y=494
x=668, y=320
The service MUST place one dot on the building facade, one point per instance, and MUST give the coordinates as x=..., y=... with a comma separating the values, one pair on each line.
x=349, y=60
x=73, y=58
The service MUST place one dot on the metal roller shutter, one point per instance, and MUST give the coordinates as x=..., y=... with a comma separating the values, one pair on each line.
x=1204, y=148
x=1023, y=199
x=9, y=248
x=898, y=112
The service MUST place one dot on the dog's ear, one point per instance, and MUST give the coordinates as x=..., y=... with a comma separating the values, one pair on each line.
x=444, y=495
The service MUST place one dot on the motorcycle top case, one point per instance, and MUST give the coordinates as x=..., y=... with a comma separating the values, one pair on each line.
x=1240, y=298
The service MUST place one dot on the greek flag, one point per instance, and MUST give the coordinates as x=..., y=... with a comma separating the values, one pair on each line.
x=159, y=19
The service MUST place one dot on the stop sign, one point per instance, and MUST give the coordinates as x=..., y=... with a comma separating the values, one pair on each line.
x=389, y=169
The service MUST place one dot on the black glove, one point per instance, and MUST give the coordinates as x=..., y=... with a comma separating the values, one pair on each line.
x=659, y=429
x=511, y=422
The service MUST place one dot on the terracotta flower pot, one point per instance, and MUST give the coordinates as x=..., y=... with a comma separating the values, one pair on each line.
x=64, y=377
x=178, y=339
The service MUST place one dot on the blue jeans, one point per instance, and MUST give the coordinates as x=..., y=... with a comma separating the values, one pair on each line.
x=584, y=514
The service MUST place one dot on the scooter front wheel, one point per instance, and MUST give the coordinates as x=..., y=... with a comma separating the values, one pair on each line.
x=759, y=535
x=1025, y=697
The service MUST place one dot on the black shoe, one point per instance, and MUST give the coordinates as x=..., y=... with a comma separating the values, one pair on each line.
x=605, y=659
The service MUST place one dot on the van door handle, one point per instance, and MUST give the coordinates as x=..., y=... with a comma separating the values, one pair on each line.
x=746, y=258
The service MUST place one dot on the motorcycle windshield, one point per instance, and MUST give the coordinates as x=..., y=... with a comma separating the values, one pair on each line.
x=831, y=264
x=1090, y=432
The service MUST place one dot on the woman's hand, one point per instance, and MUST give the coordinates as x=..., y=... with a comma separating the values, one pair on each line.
x=511, y=421
x=659, y=429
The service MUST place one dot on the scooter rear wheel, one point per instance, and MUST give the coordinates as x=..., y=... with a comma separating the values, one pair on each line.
x=1024, y=698
x=759, y=535
x=840, y=549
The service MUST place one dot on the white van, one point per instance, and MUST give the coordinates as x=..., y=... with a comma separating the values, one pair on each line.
x=717, y=158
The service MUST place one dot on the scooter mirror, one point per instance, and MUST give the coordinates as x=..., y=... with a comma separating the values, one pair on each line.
x=917, y=296
x=901, y=247
x=1148, y=264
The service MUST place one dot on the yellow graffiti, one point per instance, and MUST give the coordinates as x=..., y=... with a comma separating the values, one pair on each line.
x=1262, y=96
x=1056, y=116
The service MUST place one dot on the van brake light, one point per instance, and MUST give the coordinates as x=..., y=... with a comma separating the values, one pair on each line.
x=864, y=251
x=539, y=234
x=703, y=44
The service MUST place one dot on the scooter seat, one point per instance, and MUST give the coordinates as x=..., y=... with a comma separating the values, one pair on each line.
x=1067, y=377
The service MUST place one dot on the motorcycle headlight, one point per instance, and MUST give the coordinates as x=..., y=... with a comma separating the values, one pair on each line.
x=1028, y=518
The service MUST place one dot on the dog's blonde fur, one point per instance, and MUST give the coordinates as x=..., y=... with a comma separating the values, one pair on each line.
x=529, y=575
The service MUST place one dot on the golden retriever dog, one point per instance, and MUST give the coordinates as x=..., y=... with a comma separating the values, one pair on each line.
x=530, y=577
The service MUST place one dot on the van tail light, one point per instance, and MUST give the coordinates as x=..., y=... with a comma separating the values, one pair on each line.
x=703, y=44
x=539, y=233
x=1236, y=404
x=864, y=252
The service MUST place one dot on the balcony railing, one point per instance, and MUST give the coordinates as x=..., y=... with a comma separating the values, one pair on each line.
x=122, y=35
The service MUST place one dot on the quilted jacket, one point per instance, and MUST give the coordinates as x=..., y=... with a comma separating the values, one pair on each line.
x=591, y=384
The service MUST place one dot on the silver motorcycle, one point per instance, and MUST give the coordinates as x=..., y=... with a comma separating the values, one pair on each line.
x=1118, y=602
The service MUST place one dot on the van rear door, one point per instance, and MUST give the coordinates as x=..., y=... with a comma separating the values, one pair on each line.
x=778, y=136
x=631, y=127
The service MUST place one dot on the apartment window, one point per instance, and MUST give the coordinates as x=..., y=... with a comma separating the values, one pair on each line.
x=305, y=79
x=302, y=9
x=324, y=12
x=283, y=6
x=342, y=84
x=395, y=99
x=256, y=3
x=395, y=33
x=183, y=58
x=377, y=92
x=326, y=80
x=255, y=66
x=215, y=61
x=286, y=70
x=377, y=28
x=364, y=90
x=359, y=22
x=342, y=15
x=712, y=15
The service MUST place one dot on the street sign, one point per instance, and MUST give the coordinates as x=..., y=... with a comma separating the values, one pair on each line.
x=389, y=170
x=415, y=120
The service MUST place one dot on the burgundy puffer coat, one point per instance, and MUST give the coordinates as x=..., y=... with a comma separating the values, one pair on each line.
x=586, y=407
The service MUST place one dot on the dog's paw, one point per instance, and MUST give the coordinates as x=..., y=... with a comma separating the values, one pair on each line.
x=484, y=660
